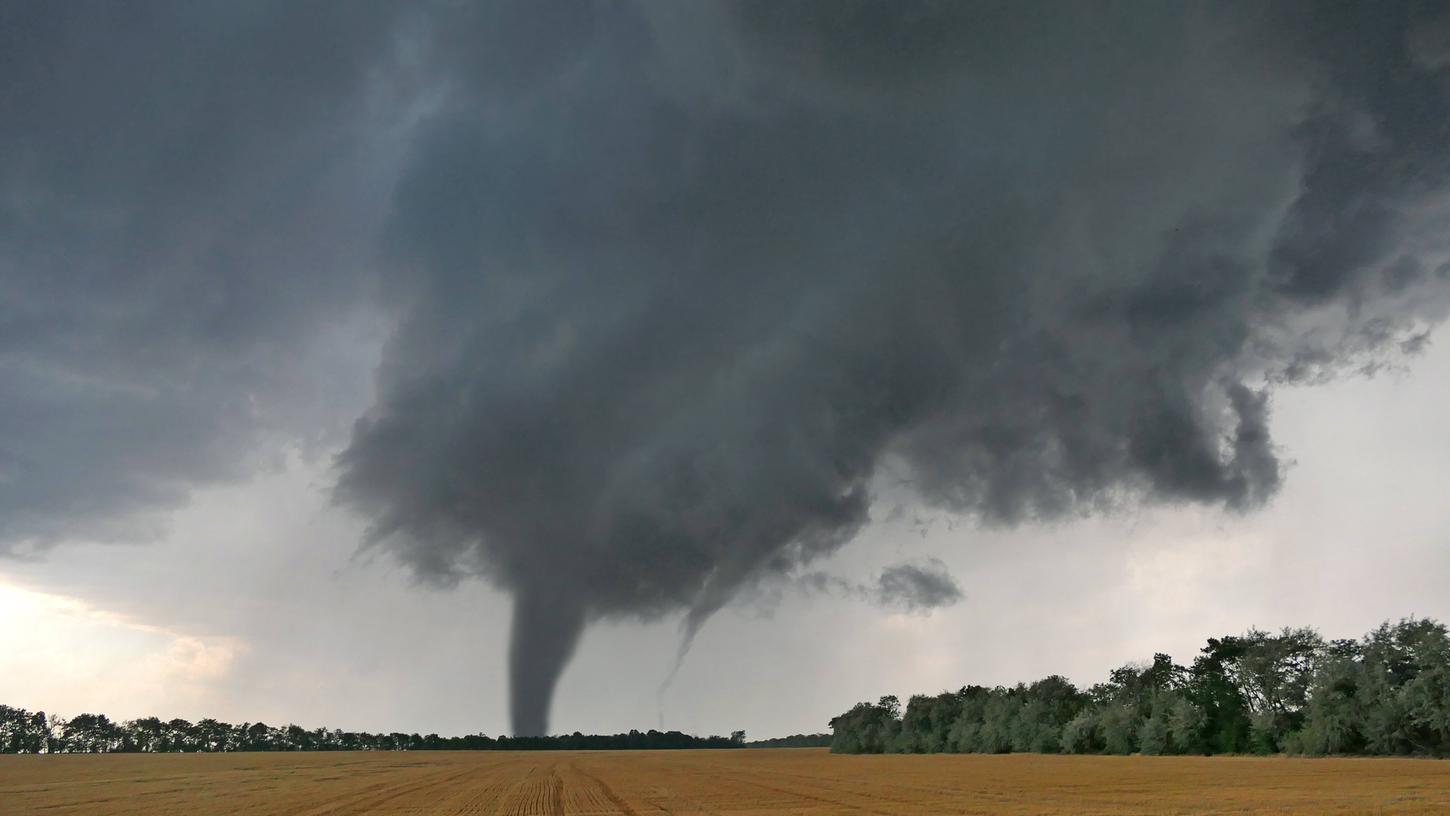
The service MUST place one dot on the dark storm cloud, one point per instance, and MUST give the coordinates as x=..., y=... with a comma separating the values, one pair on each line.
x=909, y=587
x=917, y=587
x=673, y=283
x=678, y=283
x=180, y=215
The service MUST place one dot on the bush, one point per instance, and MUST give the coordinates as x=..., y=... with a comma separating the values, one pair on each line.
x=1153, y=736
x=1120, y=726
x=1186, y=722
x=1080, y=735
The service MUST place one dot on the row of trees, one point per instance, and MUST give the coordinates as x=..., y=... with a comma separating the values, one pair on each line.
x=793, y=741
x=1291, y=692
x=23, y=732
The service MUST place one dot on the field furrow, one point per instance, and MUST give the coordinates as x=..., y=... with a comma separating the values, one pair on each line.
x=710, y=783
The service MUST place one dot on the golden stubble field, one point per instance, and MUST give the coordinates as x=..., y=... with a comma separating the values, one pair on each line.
x=780, y=781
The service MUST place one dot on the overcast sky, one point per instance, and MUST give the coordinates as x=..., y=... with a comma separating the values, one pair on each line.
x=382, y=368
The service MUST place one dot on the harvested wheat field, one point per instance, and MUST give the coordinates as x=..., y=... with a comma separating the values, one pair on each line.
x=780, y=781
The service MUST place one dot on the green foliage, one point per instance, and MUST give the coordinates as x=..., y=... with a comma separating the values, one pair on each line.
x=1119, y=725
x=1186, y=723
x=926, y=726
x=1291, y=691
x=792, y=741
x=996, y=734
x=1080, y=734
x=867, y=728
x=1264, y=733
x=1403, y=689
x=22, y=732
x=1153, y=737
x=1213, y=689
x=1161, y=733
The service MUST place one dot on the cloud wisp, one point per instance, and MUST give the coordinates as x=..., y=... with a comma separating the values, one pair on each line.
x=911, y=587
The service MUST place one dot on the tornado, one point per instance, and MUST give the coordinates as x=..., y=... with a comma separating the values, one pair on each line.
x=546, y=628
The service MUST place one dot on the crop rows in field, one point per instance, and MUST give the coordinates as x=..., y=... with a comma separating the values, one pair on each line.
x=722, y=783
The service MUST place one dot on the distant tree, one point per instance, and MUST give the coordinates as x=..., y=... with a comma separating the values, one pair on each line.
x=213, y=735
x=1155, y=735
x=1405, y=688
x=55, y=735
x=22, y=732
x=965, y=732
x=1119, y=725
x=1388, y=693
x=1214, y=691
x=998, y=716
x=1080, y=734
x=91, y=734
x=181, y=736
x=1047, y=706
x=793, y=741
x=867, y=728
x=1185, y=725
x=927, y=722
x=1273, y=674
x=148, y=734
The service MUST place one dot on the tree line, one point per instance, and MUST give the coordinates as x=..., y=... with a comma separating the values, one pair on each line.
x=1387, y=693
x=24, y=732
x=793, y=741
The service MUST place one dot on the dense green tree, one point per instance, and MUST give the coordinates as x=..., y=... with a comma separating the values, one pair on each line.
x=927, y=722
x=1185, y=725
x=1263, y=692
x=1272, y=674
x=793, y=741
x=148, y=734
x=1155, y=735
x=22, y=732
x=1081, y=735
x=1046, y=707
x=867, y=728
x=966, y=729
x=1119, y=725
x=92, y=734
x=1214, y=691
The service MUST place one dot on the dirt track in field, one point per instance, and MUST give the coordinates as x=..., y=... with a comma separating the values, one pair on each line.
x=762, y=782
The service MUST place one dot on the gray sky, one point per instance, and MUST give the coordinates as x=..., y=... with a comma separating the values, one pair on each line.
x=372, y=368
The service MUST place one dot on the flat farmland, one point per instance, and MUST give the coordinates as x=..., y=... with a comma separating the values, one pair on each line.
x=780, y=781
